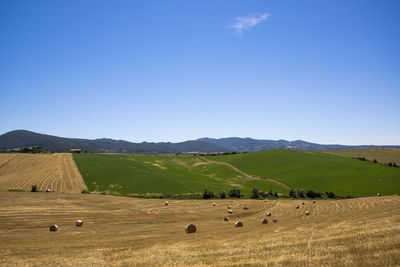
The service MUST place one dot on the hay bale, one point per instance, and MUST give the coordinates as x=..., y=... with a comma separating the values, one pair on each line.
x=214, y=204
x=229, y=207
x=307, y=212
x=379, y=194
x=238, y=224
x=245, y=208
x=297, y=207
x=190, y=228
x=79, y=223
x=226, y=218
x=48, y=190
x=313, y=202
x=166, y=203
x=274, y=220
x=302, y=203
x=269, y=214
x=264, y=221
x=230, y=211
x=265, y=200
x=53, y=228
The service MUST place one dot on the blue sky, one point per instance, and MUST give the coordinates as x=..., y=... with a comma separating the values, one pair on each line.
x=320, y=71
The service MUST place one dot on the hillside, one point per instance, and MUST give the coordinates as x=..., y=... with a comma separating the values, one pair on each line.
x=251, y=145
x=22, y=138
x=318, y=171
x=382, y=155
x=56, y=172
x=121, y=231
x=164, y=174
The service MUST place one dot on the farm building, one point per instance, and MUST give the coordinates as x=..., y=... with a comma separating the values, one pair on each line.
x=75, y=150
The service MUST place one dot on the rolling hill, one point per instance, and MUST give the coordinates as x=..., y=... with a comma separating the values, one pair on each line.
x=22, y=138
x=318, y=171
x=164, y=174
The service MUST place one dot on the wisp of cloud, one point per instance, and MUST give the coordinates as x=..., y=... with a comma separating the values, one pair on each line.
x=246, y=23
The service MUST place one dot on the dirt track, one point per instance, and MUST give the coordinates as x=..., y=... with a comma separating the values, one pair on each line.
x=57, y=172
x=145, y=232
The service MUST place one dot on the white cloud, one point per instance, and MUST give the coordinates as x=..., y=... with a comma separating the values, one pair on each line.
x=246, y=23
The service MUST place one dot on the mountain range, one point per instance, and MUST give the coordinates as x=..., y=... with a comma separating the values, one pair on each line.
x=23, y=138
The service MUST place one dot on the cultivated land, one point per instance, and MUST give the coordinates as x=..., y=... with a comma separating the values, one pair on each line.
x=165, y=174
x=318, y=171
x=57, y=172
x=145, y=232
x=382, y=155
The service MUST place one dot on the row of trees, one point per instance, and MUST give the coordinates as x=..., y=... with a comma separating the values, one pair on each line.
x=234, y=192
x=256, y=194
x=310, y=194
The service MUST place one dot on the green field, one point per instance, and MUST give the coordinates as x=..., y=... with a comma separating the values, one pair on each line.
x=318, y=171
x=163, y=174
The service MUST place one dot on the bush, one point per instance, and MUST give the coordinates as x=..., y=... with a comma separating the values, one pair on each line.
x=34, y=188
x=375, y=161
x=311, y=194
x=84, y=191
x=222, y=194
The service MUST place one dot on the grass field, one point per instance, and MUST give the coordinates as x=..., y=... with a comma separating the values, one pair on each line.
x=143, y=232
x=382, y=155
x=318, y=171
x=56, y=172
x=164, y=174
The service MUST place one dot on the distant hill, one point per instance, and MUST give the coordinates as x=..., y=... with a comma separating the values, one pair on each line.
x=22, y=138
x=252, y=145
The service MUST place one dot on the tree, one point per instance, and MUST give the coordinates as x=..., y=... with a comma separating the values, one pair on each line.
x=330, y=194
x=222, y=194
x=254, y=193
x=390, y=164
x=311, y=194
x=301, y=193
x=276, y=194
x=234, y=193
x=375, y=161
x=34, y=188
x=206, y=194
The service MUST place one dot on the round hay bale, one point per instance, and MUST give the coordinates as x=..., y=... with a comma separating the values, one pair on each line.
x=190, y=228
x=274, y=220
x=79, y=223
x=226, y=218
x=265, y=200
x=302, y=203
x=269, y=214
x=264, y=221
x=297, y=207
x=230, y=211
x=53, y=228
x=313, y=202
x=166, y=203
x=245, y=208
x=48, y=190
x=307, y=212
x=238, y=224
x=229, y=207
x=214, y=204
x=379, y=194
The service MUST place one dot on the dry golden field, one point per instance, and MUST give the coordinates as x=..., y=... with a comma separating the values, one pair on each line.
x=57, y=172
x=144, y=232
x=382, y=155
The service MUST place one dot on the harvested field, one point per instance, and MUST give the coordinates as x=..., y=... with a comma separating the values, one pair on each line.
x=145, y=232
x=57, y=172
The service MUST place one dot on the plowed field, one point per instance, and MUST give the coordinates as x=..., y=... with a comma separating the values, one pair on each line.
x=57, y=172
